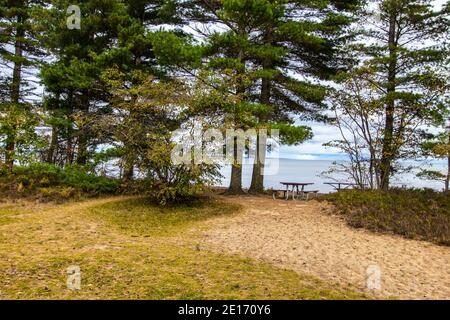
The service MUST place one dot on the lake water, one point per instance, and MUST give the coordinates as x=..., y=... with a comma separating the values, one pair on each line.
x=291, y=170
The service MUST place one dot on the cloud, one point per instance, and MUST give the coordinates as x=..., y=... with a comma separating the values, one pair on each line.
x=314, y=148
x=307, y=157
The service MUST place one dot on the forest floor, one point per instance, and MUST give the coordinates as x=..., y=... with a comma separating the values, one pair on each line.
x=225, y=248
x=308, y=237
x=127, y=248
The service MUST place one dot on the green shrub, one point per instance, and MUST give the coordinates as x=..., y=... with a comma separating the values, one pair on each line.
x=51, y=182
x=58, y=193
x=169, y=183
x=183, y=184
x=415, y=214
x=169, y=193
x=37, y=175
x=78, y=177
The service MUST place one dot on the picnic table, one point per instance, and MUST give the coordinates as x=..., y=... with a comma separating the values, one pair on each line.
x=342, y=185
x=295, y=185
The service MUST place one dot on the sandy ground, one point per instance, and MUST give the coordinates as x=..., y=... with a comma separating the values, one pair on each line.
x=307, y=237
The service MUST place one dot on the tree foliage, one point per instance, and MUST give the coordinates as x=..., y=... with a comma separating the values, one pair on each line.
x=397, y=90
x=135, y=71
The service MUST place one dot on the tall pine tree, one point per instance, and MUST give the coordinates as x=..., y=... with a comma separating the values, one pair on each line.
x=294, y=51
x=404, y=58
x=20, y=53
x=76, y=96
x=283, y=48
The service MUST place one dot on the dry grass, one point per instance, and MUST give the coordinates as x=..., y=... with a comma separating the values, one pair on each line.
x=129, y=249
x=413, y=214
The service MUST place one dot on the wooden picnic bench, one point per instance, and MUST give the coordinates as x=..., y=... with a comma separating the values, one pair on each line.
x=338, y=186
x=296, y=188
x=306, y=193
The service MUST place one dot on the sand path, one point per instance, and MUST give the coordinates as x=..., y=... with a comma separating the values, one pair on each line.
x=306, y=237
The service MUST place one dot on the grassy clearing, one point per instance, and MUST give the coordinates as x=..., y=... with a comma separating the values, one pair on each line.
x=414, y=214
x=141, y=217
x=129, y=249
x=7, y=214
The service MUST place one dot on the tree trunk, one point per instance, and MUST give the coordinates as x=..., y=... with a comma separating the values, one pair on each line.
x=388, y=148
x=51, y=150
x=70, y=132
x=235, y=187
x=447, y=179
x=10, y=148
x=129, y=162
x=257, y=185
x=82, y=132
x=69, y=148
x=82, y=148
x=15, y=90
x=128, y=171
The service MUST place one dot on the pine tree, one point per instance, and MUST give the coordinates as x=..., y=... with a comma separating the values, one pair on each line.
x=404, y=60
x=115, y=34
x=224, y=56
x=283, y=49
x=20, y=52
x=76, y=96
x=135, y=52
x=294, y=50
x=438, y=147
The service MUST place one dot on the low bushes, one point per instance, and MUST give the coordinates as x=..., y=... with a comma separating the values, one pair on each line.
x=183, y=185
x=173, y=184
x=415, y=214
x=53, y=183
